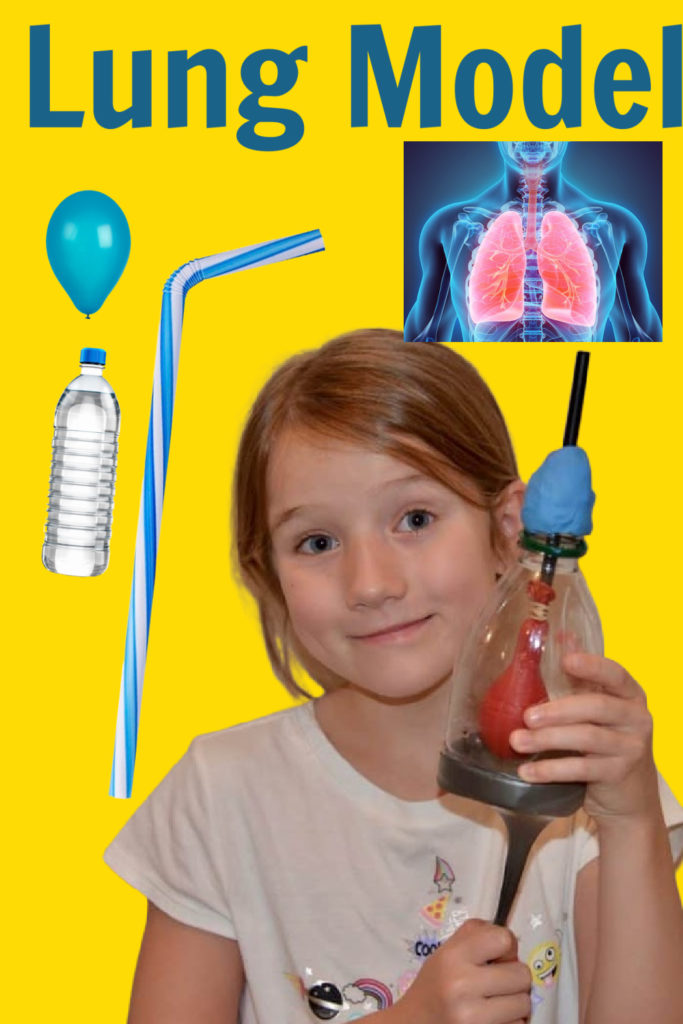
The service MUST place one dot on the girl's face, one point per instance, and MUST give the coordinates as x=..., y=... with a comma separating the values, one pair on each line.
x=383, y=569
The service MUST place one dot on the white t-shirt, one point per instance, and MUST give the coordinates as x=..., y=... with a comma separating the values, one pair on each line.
x=335, y=890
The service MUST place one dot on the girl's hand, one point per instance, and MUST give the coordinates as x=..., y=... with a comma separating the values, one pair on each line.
x=610, y=726
x=473, y=978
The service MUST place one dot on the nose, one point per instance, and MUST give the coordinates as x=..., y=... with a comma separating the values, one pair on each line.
x=373, y=573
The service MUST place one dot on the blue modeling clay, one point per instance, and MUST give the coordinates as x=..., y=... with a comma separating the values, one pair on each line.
x=559, y=497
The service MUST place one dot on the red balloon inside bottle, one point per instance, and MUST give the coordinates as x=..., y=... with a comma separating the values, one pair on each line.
x=521, y=684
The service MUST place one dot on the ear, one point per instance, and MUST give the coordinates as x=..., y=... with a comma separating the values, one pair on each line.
x=507, y=522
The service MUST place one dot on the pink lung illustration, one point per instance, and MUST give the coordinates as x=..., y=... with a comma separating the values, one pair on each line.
x=496, y=285
x=565, y=264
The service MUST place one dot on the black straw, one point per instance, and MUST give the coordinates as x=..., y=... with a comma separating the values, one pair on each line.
x=571, y=430
x=571, y=436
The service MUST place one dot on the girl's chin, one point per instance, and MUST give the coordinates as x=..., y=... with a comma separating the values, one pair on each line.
x=394, y=693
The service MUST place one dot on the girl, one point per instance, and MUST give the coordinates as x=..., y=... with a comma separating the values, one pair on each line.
x=306, y=866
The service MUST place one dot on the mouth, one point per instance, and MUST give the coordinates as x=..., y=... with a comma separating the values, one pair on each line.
x=400, y=631
x=547, y=976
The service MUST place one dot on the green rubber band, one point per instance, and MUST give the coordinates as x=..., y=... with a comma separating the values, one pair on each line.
x=534, y=542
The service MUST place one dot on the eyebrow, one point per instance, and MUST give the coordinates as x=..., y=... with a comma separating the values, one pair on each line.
x=289, y=513
x=285, y=517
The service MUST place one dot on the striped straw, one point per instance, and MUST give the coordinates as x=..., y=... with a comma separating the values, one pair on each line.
x=154, y=480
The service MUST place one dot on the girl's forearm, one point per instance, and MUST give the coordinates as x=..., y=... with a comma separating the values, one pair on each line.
x=639, y=964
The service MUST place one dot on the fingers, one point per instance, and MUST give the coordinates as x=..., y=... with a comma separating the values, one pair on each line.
x=483, y=941
x=602, y=672
x=599, y=708
x=573, y=769
x=585, y=739
x=608, y=753
x=512, y=954
x=509, y=1009
x=504, y=979
x=605, y=723
x=598, y=724
x=475, y=975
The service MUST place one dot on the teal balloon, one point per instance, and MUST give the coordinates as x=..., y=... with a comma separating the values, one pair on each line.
x=88, y=242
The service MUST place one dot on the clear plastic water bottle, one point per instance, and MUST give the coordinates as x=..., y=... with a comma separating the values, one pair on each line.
x=83, y=472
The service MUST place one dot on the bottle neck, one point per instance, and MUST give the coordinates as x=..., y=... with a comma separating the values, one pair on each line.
x=91, y=370
x=533, y=560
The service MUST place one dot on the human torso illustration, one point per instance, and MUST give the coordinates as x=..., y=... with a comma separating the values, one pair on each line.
x=533, y=258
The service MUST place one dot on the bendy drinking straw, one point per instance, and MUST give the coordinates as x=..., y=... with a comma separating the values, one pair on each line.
x=154, y=479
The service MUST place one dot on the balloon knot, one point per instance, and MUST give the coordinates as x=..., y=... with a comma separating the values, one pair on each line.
x=87, y=316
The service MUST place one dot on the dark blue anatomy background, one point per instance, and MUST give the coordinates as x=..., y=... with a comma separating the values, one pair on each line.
x=439, y=173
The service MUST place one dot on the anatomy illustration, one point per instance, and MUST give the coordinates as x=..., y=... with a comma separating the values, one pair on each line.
x=533, y=258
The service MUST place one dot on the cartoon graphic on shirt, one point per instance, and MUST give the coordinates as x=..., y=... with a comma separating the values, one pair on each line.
x=435, y=912
x=375, y=989
x=426, y=943
x=444, y=879
x=361, y=997
x=325, y=1000
x=444, y=912
x=443, y=875
x=544, y=964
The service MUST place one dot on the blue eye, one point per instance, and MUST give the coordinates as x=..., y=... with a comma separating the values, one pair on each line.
x=316, y=544
x=417, y=519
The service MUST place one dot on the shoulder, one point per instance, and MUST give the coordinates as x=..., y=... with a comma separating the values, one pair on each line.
x=236, y=740
x=221, y=775
x=440, y=224
x=240, y=748
x=626, y=227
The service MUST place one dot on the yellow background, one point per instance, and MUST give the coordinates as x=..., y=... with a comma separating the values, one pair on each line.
x=71, y=927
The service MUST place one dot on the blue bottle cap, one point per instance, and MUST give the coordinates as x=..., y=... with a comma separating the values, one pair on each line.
x=93, y=355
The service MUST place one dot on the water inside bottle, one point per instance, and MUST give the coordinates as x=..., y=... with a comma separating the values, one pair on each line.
x=82, y=477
